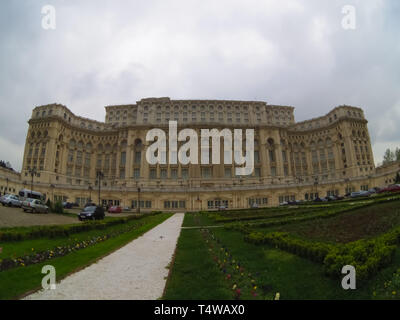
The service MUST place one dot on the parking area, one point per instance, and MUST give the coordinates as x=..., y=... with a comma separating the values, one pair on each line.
x=16, y=217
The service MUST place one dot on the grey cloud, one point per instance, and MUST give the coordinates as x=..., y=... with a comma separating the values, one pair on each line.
x=284, y=52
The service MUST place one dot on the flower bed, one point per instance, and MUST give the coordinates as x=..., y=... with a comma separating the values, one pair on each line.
x=60, y=251
x=243, y=283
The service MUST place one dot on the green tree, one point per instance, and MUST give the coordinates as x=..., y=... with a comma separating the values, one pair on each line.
x=397, y=154
x=397, y=179
x=388, y=156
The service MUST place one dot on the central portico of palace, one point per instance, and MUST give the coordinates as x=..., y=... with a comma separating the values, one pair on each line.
x=323, y=156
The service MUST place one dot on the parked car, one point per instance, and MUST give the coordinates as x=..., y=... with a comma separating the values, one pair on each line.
x=254, y=205
x=391, y=188
x=67, y=205
x=10, y=200
x=221, y=208
x=358, y=194
x=91, y=213
x=34, y=206
x=115, y=209
x=90, y=204
x=284, y=203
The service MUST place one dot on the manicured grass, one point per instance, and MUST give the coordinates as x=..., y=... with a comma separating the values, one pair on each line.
x=293, y=277
x=15, y=249
x=195, y=220
x=194, y=274
x=17, y=281
x=274, y=270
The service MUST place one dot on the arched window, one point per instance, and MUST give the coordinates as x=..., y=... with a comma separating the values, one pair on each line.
x=72, y=144
x=80, y=145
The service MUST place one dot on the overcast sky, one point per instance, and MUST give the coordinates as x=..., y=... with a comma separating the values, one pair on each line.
x=117, y=52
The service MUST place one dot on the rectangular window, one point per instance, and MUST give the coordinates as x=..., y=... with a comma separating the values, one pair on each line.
x=123, y=158
x=271, y=155
x=79, y=157
x=136, y=173
x=174, y=173
x=206, y=172
x=284, y=156
x=228, y=173
x=185, y=173
x=138, y=157
x=153, y=173
x=164, y=174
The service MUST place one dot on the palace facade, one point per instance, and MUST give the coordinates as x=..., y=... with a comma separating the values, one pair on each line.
x=327, y=155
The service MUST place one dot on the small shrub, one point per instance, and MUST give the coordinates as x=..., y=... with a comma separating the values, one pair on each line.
x=58, y=208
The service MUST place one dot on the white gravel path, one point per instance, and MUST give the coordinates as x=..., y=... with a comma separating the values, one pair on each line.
x=136, y=271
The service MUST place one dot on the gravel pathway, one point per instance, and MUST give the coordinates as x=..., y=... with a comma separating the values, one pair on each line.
x=136, y=271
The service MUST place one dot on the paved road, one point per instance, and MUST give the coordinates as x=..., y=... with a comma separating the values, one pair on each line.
x=16, y=217
x=136, y=271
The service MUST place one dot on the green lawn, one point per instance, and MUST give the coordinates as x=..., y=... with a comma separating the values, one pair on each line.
x=194, y=275
x=15, y=249
x=17, y=281
x=260, y=271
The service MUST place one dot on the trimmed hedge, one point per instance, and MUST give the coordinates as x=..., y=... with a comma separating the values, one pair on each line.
x=367, y=256
x=19, y=234
x=315, y=251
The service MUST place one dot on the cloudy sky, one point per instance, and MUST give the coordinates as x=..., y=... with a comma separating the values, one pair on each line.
x=117, y=52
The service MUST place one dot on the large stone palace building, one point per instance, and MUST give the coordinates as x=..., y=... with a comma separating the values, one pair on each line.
x=327, y=155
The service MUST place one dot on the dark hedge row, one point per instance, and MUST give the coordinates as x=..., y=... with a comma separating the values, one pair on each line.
x=55, y=231
x=328, y=213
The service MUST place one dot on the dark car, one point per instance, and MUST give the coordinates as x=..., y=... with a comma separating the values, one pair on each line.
x=90, y=204
x=67, y=205
x=92, y=213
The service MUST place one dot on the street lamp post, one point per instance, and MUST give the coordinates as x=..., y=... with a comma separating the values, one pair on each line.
x=347, y=180
x=100, y=176
x=316, y=186
x=52, y=186
x=138, y=206
x=7, y=186
x=32, y=172
x=90, y=192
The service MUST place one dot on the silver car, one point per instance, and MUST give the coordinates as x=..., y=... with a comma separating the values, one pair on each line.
x=34, y=206
x=10, y=200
